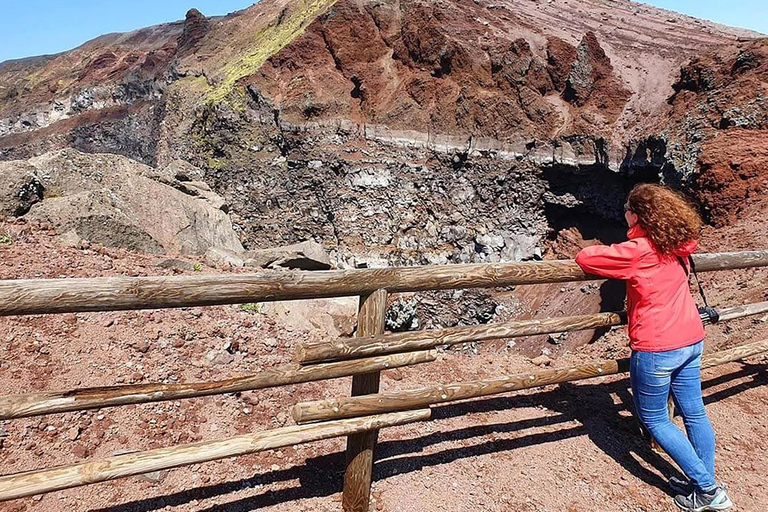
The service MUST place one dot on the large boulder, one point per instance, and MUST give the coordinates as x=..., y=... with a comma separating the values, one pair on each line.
x=306, y=255
x=117, y=202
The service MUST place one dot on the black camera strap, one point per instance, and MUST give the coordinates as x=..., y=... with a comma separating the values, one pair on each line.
x=710, y=313
x=698, y=283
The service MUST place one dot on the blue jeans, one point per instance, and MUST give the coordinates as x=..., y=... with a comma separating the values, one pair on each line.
x=652, y=374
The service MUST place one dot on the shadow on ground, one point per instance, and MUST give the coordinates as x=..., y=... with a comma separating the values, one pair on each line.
x=585, y=409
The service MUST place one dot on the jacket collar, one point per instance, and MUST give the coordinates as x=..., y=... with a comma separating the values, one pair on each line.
x=636, y=231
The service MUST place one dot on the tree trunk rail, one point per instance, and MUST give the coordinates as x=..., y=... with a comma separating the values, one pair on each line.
x=49, y=402
x=346, y=407
x=64, y=477
x=357, y=417
x=45, y=296
x=371, y=354
x=351, y=348
x=358, y=475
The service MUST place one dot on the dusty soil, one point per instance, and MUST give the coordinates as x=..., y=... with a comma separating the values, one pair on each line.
x=601, y=78
x=562, y=448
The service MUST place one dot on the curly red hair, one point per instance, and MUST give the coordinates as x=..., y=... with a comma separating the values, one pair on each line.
x=668, y=217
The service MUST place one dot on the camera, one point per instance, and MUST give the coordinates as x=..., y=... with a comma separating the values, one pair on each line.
x=708, y=315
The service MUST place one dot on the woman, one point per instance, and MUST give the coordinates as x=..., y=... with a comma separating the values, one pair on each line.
x=666, y=334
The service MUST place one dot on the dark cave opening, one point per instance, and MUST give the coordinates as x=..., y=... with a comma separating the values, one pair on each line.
x=591, y=199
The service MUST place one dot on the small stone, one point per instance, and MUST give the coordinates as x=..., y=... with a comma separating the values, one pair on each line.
x=251, y=398
x=542, y=360
x=80, y=451
x=217, y=357
x=142, y=346
x=73, y=433
x=155, y=477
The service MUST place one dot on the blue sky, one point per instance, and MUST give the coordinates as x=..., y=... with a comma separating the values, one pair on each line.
x=37, y=27
x=752, y=14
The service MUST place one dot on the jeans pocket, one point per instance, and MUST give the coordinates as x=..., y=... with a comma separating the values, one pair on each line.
x=664, y=363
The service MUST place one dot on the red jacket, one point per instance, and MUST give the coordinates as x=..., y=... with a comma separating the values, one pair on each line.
x=662, y=313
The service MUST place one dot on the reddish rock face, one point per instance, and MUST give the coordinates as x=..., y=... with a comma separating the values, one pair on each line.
x=441, y=68
x=515, y=72
x=581, y=98
x=195, y=27
x=720, y=110
x=733, y=173
x=592, y=78
x=560, y=58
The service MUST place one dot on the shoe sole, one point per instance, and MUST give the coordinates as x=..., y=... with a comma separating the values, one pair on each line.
x=708, y=508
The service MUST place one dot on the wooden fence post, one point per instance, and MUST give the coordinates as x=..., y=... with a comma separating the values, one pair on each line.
x=359, y=471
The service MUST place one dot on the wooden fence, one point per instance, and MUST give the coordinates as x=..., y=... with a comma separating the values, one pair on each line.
x=359, y=416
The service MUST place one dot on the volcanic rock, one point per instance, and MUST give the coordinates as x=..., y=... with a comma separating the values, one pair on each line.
x=113, y=201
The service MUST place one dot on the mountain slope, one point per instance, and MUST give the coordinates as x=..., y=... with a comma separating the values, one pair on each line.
x=411, y=130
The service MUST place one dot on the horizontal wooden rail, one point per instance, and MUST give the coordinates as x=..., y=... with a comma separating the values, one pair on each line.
x=350, y=348
x=736, y=312
x=64, y=477
x=35, y=404
x=42, y=296
x=416, y=398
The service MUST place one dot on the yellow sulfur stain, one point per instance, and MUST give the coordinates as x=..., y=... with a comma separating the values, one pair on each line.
x=269, y=41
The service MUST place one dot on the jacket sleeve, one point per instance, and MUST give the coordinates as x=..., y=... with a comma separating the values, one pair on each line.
x=617, y=261
x=687, y=248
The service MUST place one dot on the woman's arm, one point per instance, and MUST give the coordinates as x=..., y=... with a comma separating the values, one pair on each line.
x=617, y=261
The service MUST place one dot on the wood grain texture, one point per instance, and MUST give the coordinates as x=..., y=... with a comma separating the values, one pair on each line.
x=415, y=398
x=360, y=447
x=734, y=354
x=742, y=311
x=64, y=477
x=35, y=404
x=350, y=348
x=41, y=296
